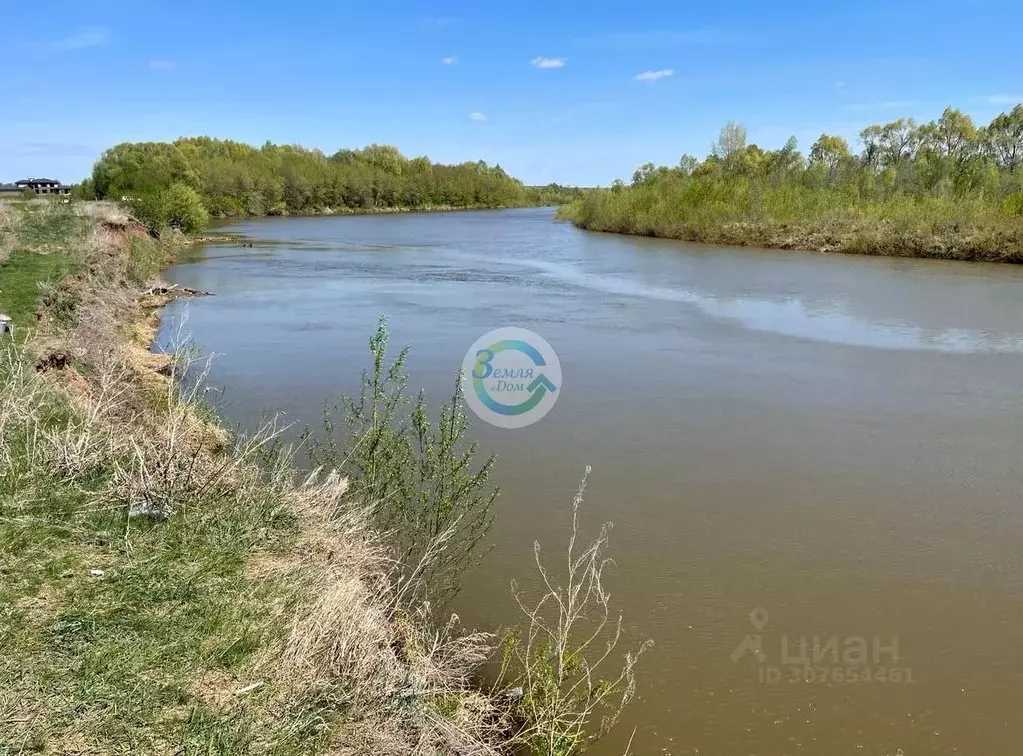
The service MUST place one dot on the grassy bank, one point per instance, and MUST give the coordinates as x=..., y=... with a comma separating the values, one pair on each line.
x=805, y=219
x=945, y=190
x=168, y=587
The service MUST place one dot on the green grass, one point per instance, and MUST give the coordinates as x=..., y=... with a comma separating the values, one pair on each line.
x=172, y=608
x=144, y=655
x=43, y=237
x=20, y=278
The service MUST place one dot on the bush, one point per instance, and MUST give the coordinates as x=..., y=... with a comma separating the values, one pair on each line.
x=423, y=480
x=184, y=209
x=149, y=209
x=1012, y=205
x=178, y=207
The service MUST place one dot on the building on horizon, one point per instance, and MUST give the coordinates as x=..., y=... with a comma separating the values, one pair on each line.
x=43, y=186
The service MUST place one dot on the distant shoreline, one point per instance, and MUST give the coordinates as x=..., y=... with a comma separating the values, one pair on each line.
x=948, y=189
x=329, y=211
x=876, y=238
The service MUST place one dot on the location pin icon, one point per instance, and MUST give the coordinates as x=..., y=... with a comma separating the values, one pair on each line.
x=759, y=618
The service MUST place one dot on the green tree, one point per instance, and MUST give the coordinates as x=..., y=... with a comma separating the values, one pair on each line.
x=956, y=136
x=183, y=209
x=829, y=151
x=235, y=179
x=131, y=169
x=643, y=173
x=1004, y=138
x=85, y=190
x=785, y=161
x=887, y=145
x=687, y=164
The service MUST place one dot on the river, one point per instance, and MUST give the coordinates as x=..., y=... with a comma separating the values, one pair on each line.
x=832, y=442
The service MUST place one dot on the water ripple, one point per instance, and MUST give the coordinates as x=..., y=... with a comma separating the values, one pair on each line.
x=793, y=316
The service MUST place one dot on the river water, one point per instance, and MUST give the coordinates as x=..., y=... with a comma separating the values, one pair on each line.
x=831, y=442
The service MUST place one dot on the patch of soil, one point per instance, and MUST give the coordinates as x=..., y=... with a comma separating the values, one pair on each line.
x=53, y=361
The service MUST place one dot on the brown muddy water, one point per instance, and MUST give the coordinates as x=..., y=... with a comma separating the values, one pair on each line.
x=832, y=442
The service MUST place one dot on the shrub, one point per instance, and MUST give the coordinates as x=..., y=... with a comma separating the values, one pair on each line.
x=179, y=206
x=184, y=209
x=149, y=208
x=1012, y=205
x=423, y=479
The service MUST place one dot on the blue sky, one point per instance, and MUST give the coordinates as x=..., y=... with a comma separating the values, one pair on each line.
x=578, y=93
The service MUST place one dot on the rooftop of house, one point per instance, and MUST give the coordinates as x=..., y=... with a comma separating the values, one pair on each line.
x=37, y=181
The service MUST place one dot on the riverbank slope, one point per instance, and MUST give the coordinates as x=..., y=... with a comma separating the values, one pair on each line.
x=168, y=587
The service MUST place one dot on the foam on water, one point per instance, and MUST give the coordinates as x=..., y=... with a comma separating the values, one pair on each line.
x=792, y=316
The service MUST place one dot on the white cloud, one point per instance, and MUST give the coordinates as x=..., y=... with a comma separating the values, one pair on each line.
x=1004, y=99
x=449, y=60
x=540, y=62
x=655, y=75
x=477, y=116
x=89, y=36
x=163, y=65
x=839, y=85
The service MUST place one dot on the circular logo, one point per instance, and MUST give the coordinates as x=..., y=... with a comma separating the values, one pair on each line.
x=512, y=377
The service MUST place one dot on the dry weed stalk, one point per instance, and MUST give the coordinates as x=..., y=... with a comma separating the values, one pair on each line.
x=8, y=231
x=24, y=397
x=87, y=440
x=561, y=662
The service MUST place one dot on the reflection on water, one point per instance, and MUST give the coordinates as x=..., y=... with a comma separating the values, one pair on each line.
x=793, y=317
x=832, y=439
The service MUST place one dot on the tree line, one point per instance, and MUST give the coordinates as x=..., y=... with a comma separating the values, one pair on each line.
x=182, y=183
x=946, y=188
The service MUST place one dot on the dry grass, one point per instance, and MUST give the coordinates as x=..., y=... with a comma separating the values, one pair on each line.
x=359, y=647
x=8, y=236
